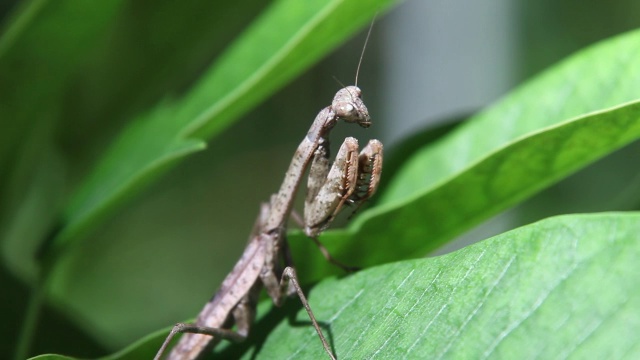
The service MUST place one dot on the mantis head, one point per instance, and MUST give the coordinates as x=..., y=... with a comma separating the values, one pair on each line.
x=349, y=107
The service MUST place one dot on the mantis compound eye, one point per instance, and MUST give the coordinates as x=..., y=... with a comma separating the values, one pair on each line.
x=347, y=111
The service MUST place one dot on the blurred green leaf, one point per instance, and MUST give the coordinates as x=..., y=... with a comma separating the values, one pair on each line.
x=540, y=133
x=289, y=36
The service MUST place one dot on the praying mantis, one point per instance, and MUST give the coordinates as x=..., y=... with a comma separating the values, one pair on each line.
x=351, y=179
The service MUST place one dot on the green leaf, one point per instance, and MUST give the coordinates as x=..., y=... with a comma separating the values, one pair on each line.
x=564, y=287
x=84, y=67
x=397, y=156
x=599, y=77
x=288, y=37
x=540, y=133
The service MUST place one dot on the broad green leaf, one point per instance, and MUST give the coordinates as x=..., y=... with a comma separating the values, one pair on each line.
x=564, y=287
x=567, y=286
x=540, y=133
x=602, y=76
x=288, y=37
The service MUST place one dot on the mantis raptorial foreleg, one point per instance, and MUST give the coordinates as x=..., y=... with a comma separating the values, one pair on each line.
x=352, y=179
x=369, y=171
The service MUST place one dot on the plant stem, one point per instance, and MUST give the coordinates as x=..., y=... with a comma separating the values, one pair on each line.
x=30, y=323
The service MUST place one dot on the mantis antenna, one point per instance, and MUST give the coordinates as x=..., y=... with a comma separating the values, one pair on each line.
x=364, y=48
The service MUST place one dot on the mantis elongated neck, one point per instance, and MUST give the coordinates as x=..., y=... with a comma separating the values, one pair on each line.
x=283, y=201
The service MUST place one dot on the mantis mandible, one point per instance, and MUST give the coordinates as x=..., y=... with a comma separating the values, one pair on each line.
x=352, y=179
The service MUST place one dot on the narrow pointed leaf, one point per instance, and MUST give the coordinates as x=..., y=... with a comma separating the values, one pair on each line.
x=568, y=117
x=288, y=37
